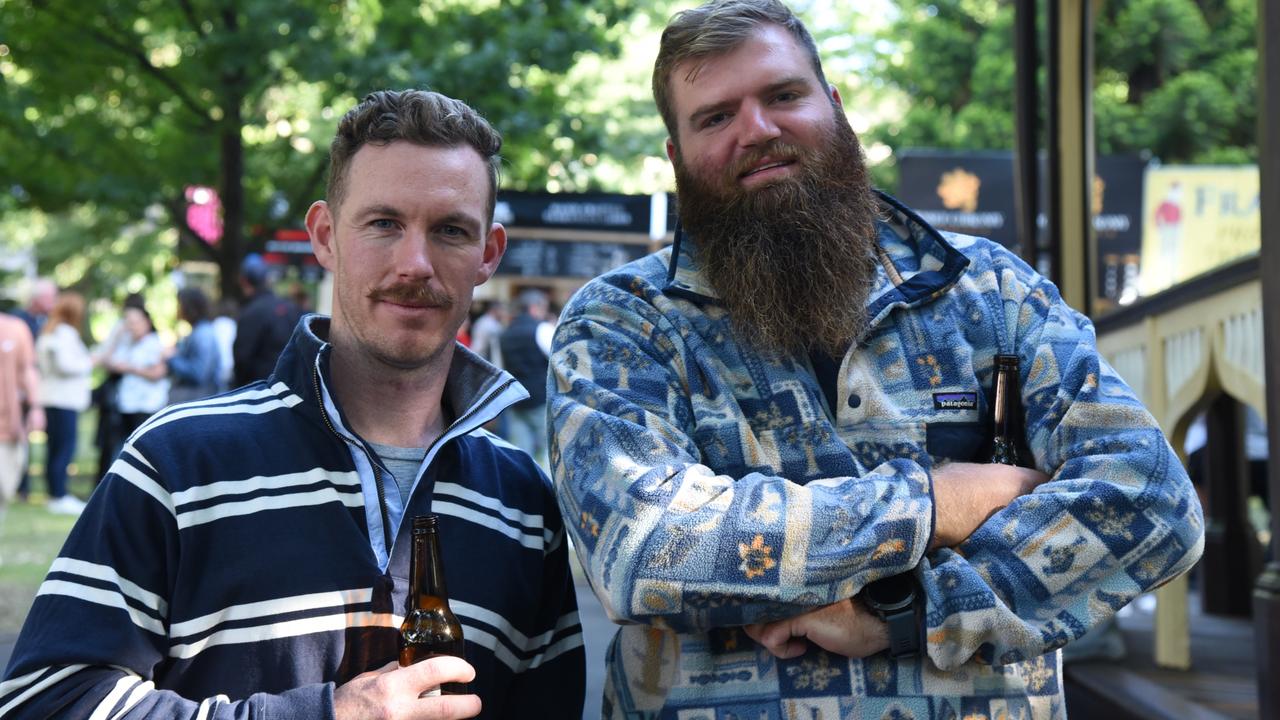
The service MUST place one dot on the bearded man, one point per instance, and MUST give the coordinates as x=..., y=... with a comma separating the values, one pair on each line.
x=767, y=439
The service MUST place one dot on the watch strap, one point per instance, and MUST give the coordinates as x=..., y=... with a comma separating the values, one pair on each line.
x=904, y=631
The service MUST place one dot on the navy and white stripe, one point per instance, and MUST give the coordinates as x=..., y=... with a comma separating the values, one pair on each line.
x=228, y=554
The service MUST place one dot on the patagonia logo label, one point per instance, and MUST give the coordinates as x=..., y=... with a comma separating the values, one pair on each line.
x=955, y=401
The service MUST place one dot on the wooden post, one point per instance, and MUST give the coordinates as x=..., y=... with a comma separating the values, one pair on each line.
x=1071, y=160
x=1230, y=559
x=1026, y=168
x=1266, y=594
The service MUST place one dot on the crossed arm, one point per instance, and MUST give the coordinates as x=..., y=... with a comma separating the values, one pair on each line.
x=965, y=496
x=668, y=541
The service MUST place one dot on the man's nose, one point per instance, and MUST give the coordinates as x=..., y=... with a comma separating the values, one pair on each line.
x=411, y=256
x=758, y=126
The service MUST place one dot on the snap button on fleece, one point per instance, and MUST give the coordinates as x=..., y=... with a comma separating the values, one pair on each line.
x=854, y=401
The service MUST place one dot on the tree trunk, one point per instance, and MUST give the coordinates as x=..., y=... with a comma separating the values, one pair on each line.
x=232, y=192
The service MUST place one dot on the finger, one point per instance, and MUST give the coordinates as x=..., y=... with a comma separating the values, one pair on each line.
x=776, y=634
x=778, y=639
x=787, y=648
x=753, y=631
x=448, y=707
x=436, y=671
x=793, y=648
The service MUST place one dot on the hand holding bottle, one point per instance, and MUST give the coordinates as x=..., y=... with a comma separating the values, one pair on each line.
x=394, y=693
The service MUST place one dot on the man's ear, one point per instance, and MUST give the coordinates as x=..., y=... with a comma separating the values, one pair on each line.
x=320, y=223
x=671, y=151
x=495, y=244
x=835, y=96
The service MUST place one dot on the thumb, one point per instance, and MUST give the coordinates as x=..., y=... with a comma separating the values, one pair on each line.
x=784, y=639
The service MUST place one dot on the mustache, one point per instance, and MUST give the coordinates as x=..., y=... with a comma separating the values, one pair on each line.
x=413, y=294
x=776, y=150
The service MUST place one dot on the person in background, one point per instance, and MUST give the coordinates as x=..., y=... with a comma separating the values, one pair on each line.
x=139, y=358
x=486, y=329
x=264, y=326
x=301, y=297
x=224, y=329
x=195, y=367
x=526, y=344
x=770, y=434
x=65, y=366
x=20, y=408
x=248, y=556
x=109, y=434
x=464, y=332
x=39, y=303
x=44, y=292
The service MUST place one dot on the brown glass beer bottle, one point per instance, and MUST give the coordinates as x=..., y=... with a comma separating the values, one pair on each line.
x=430, y=628
x=1006, y=411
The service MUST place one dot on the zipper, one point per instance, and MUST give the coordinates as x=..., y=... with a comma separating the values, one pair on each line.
x=377, y=476
x=475, y=408
x=473, y=411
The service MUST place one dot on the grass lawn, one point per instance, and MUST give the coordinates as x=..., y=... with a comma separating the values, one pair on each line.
x=31, y=536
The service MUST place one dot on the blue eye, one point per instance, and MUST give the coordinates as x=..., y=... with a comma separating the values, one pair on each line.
x=713, y=120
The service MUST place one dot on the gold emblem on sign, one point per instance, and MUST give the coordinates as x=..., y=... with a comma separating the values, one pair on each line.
x=959, y=190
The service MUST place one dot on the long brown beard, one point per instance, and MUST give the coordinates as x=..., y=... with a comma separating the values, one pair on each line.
x=793, y=262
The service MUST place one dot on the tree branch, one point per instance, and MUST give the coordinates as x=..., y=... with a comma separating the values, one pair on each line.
x=140, y=57
x=189, y=10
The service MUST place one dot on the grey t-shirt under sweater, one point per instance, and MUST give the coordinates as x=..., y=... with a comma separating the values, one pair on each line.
x=403, y=463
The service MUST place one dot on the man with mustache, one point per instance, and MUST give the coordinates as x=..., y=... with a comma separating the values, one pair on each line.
x=247, y=555
x=768, y=438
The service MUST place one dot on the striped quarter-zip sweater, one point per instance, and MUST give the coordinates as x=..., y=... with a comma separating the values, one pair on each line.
x=225, y=566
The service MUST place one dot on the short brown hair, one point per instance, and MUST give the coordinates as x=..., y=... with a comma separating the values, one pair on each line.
x=421, y=117
x=716, y=28
x=68, y=309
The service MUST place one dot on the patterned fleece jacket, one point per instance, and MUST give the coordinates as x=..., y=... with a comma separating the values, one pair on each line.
x=708, y=484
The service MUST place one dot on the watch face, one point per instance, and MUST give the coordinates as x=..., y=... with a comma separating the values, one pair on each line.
x=891, y=591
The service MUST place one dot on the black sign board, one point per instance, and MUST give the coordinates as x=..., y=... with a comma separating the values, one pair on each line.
x=1117, y=223
x=579, y=211
x=973, y=193
x=969, y=192
x=577, y=259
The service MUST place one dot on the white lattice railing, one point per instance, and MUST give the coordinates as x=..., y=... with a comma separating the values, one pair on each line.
x=1206, y=344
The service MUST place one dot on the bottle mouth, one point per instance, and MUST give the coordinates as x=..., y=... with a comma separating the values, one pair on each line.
x=425, y=522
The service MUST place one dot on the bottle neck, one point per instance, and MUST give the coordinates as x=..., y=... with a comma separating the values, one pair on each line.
x=1001, y=411
x=426, y=573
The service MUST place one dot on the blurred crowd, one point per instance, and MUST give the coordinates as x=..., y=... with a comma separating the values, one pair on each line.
x=517, y=338
x=48, y=378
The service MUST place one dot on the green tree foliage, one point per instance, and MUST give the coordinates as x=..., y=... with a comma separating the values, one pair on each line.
x=1175, y=78
x=110, y=110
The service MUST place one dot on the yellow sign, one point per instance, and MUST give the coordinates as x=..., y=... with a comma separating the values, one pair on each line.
x=1195, y=219
x=958, y=190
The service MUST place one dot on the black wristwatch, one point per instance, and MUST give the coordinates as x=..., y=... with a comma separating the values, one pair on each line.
x=895, y=600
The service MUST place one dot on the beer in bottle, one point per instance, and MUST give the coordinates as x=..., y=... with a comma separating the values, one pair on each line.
x=430, y=628
x=1006, y=411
